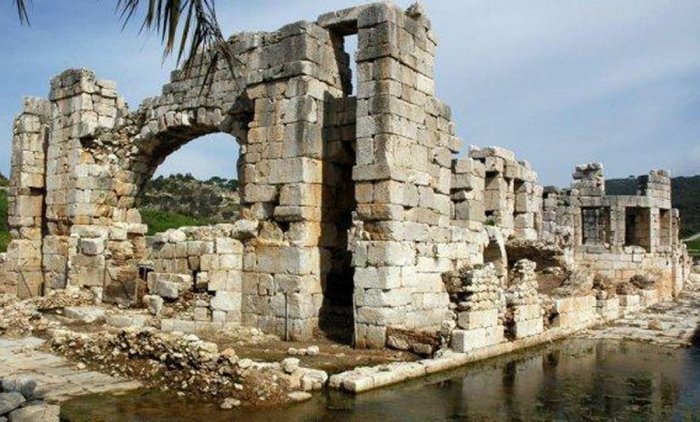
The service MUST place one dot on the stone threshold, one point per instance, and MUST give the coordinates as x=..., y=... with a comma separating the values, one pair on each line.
x=361, y=380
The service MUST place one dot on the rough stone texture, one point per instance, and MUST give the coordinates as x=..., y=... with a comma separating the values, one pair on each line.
x=23, y=385
x=671, y=323
x=351, y=204
x=86, y=314
x=37, y=413
x=10, y=401
x=57, y=378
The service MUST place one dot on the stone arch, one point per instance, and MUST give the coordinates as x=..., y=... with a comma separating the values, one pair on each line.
x=156, y=148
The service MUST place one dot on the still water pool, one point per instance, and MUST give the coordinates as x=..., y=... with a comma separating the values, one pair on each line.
x=572, y=380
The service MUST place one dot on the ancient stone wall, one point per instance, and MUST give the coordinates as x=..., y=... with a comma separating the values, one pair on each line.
x=355, y=205
x=619, y=236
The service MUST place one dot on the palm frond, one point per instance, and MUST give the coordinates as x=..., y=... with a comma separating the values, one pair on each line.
x=21, y=6
x=188, y=27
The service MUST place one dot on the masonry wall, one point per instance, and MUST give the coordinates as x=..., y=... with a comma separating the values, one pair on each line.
x=618, y=237
x=351, y=203
x=27, y=197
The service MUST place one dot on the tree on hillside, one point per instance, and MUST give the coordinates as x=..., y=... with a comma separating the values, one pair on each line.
x=185, y=26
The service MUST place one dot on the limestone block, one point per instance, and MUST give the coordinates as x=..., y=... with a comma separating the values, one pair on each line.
x=648, y=297
x=609, y=308
x=231, y=261
x=169, y=286
x=228, y=246
x=297, y=213
x=464, y=341
x=527, y=328
x=470, y=210
x=527, y=312
x=584, y=303
x=225, y=280
x=290, y=283
x=572, y=319
x=226, y=301
x=370, y=336
x=299, y=194
x=383, y=298
x=290, y=260
x=391, y=254
x=564, y=305
x=478, y=319
x=86, y=314
x=92, y=247
x=378, y=277
x=201, y=314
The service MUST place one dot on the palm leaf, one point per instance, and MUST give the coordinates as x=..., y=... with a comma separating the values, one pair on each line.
x=21, y=6
x=191, y=25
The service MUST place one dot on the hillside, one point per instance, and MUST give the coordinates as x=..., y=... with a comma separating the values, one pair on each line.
x=181, y=200
x=685, y=195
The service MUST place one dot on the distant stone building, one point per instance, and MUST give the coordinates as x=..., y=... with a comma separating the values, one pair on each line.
x=353, y=200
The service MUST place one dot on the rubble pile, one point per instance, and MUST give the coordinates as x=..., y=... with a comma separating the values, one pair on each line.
x=578, y=282
x=20, y=318
x=523, y=284
x=475, y=288
x=24, y=317
x=643, y=281
x=524, y=314
x=188, y=365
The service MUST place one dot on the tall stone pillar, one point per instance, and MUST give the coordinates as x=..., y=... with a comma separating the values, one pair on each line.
x=405, y=142
x=27, y=196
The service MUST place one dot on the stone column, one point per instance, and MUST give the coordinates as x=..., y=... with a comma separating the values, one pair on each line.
x=26, y=199
x=405, y=142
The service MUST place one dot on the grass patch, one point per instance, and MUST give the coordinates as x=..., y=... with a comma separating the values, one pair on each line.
x=694, y=247
x=159, y=221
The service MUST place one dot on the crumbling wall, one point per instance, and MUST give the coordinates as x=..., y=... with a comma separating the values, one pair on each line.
x=206, y=260
x=512, y=198
x=618, y=237
x=359, y=204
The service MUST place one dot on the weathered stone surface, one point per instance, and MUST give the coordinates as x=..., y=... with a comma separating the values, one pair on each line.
x=153, y=303
x=23, y=385
x=36, y=413
x=10, y=401
x=85, y=314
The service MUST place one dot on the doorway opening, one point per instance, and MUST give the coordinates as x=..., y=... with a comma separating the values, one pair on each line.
x=336, y=319
x=195, y=184
x=638, y=227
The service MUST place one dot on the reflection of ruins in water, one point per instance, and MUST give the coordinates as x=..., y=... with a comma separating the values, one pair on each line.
x=583, y=380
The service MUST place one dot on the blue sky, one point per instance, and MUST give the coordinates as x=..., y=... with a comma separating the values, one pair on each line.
x=558, y=82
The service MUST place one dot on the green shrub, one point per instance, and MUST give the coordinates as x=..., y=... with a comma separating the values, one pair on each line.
x=4, y=241
x=159, y=221
x=694, y=247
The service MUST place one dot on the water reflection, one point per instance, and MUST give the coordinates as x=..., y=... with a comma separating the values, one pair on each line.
x=574, y=380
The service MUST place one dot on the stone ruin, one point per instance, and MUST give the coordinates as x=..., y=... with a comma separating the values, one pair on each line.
x=355, y=206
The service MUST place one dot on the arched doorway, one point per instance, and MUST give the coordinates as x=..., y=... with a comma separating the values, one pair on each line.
x=195, y=185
